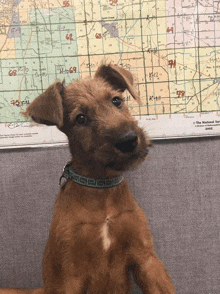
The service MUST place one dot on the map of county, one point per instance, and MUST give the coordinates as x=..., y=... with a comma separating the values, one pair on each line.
x=172, y=47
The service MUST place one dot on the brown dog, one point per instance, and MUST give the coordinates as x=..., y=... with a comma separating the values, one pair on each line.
x=98, y=233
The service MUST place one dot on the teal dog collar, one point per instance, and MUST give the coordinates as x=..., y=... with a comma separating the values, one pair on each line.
x=68, y=173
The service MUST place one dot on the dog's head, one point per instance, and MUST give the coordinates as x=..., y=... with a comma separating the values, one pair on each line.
x=104, y=137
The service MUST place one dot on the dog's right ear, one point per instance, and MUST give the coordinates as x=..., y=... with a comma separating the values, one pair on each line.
x=118, y=77
x=47, y=108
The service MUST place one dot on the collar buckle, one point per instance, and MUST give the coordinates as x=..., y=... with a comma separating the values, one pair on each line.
x=64, y=173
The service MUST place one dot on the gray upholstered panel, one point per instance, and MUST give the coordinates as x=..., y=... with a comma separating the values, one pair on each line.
x=178, y=188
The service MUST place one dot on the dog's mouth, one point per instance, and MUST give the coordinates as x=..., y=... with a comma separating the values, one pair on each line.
x=124, y=161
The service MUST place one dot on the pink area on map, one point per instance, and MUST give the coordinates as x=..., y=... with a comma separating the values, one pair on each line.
x=206, y=6
x=188, y=28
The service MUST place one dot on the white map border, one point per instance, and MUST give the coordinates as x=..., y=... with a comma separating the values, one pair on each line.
x=173, y=126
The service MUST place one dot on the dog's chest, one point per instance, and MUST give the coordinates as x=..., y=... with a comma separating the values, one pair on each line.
x=102, y=235
x=98, y=238
x=97, y=231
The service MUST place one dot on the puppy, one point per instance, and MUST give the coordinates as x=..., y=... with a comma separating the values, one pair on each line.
x=98, y=233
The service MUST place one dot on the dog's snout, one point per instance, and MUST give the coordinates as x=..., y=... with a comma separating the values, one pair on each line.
x=127, y=142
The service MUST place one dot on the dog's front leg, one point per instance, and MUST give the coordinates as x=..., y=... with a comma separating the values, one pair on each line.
x=70, y=285
x=74, y=285
x=151, y=276
x=149, y=272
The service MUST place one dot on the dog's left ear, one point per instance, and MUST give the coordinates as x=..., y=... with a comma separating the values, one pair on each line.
x=118, y=77
x=47, y=108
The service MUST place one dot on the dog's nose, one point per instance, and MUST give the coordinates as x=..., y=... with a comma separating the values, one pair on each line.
x=127, y=142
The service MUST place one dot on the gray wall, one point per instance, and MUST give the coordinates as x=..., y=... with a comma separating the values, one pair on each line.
x=178, y=188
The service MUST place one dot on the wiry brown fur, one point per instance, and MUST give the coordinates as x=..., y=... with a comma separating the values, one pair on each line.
x=97, y=235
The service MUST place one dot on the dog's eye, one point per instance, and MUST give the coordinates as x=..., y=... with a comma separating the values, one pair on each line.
x=117, y=101
x=81, y=119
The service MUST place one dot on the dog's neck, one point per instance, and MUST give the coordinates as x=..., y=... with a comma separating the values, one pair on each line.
x=70, y=173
